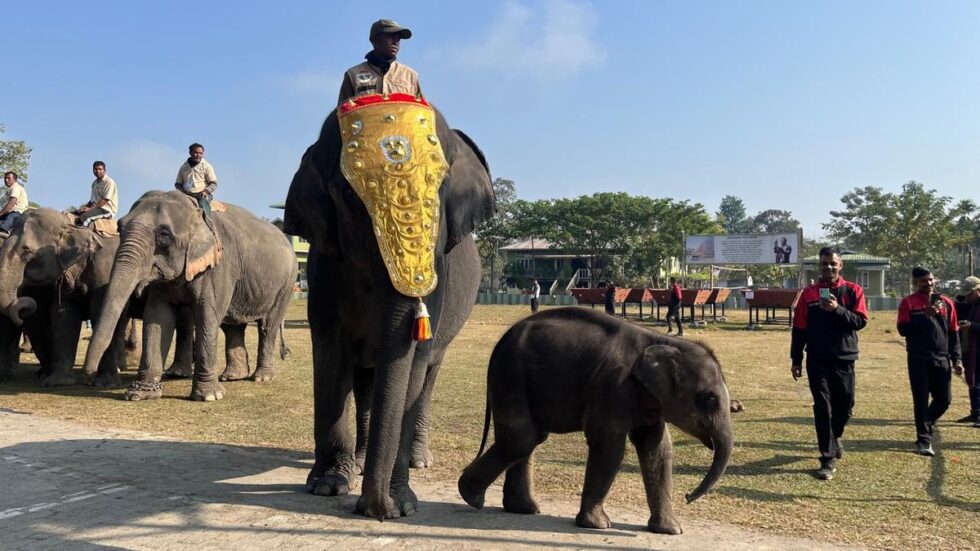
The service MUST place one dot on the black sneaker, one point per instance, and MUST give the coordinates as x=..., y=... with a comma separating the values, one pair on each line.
x=971, y=418
x=839, y=454
x=924, y=448
x=826, y=470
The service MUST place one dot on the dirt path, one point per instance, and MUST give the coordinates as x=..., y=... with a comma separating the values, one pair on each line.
x=64, y=484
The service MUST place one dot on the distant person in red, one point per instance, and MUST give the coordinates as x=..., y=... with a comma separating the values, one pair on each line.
x=929, y=324
x=825, y=324
x=674, y=309
x=610, y=298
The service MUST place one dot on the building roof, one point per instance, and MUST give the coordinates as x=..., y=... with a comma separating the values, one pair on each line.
x=855, y=258
x=529, y=245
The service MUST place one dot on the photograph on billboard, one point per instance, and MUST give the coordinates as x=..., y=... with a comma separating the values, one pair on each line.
x=775, y=248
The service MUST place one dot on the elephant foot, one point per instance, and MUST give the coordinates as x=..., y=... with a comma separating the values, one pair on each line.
x=177, y=371
x=471, y=494
x=105, y=380
x=207, y=392
x=234, y=373
x=523, y=505
x=406, y=502
x=43, y=371
x=594, y=517
x=422, y=458
x=664, y=524
x=264, y=375
x=379, y=506
x=143, y=390
x=59, y=378
x=327, y=483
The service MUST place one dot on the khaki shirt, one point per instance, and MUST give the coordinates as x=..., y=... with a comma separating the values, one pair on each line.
x=365, y=79
x=105, y=189
x=195, y=179
x=16, y=191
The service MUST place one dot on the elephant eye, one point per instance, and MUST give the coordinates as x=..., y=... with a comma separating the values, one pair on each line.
x=163, y=238
x=26, y=255
x=706, y=401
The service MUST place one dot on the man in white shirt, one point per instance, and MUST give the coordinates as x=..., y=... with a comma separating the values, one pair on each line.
x=104, y=200
x=13, y=197
x=196, y=178
x=535, y=295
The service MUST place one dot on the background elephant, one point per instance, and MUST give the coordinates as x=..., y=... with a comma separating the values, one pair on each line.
x=243, y=272
x=359, y=322
x=45, y=251
x=572, y=369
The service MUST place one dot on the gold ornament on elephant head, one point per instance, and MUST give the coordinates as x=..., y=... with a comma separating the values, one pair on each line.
x=393, y=159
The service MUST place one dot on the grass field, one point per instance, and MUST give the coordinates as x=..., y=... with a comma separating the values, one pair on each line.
x=883, y=495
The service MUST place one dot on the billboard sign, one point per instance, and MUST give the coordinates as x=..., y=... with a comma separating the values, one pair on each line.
x=777, y=248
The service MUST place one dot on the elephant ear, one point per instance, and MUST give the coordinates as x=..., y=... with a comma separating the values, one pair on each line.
x=656, y=370
x=468, y=190
x=203, y=250
x=310, y=212
x=76, y=244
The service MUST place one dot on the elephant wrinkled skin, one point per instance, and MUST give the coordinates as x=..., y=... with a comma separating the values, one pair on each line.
x=361, y=327
x=572, y=369
x=168, y=253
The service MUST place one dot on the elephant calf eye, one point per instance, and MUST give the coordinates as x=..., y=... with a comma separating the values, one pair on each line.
x=706, y=401
x=164, y=239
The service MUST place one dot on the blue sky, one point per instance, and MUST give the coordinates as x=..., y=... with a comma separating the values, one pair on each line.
x=786, y=104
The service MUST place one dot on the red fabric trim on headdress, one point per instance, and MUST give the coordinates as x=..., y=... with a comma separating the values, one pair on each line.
x=354, y=104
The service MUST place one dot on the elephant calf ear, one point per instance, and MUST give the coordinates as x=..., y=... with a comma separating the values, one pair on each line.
x=656, y=370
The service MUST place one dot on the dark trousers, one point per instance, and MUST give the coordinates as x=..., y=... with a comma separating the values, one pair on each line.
x=7, y=220
x=674, y=313
x=929, y=377
x=832, y=387
x=534, y=305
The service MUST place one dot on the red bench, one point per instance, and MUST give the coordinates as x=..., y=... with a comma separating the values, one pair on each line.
x=773, y=300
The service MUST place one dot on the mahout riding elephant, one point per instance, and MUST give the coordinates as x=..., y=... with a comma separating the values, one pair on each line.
x=361, y=323
x=572, y=369
x=242, y=272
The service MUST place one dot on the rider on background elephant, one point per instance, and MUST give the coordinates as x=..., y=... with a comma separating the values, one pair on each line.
x=168, y=252
x=359, y=320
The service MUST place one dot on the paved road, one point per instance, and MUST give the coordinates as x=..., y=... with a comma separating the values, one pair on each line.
x=68, y=485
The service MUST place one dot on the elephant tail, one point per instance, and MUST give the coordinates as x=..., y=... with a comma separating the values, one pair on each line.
x=486, y=427
x=283, y=349
x=131, y=335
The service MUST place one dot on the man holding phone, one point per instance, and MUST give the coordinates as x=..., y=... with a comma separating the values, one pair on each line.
x=827, y=318
x=929, y=324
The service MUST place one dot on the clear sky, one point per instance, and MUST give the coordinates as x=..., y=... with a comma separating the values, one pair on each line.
x=785, y=104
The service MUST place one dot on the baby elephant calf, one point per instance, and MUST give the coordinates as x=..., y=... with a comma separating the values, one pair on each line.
x=572, y=369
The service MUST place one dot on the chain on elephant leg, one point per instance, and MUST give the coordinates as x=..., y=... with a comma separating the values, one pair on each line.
x=143, y=390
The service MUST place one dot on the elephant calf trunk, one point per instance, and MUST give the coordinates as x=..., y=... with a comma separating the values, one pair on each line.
x=722, y=447
x=21, y=308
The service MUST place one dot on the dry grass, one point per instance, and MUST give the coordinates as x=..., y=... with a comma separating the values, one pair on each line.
x=883, y=495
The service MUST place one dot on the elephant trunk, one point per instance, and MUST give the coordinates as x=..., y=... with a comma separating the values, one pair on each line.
x=133, y=260
x=721, y=442
x=11, y=276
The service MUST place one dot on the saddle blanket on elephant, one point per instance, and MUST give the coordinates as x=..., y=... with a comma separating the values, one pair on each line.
x=392, y=157
x=105, y=227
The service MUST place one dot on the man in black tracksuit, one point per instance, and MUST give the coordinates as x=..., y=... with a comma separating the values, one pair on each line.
x=674, y=309
x=929, y=324
x=827, y=318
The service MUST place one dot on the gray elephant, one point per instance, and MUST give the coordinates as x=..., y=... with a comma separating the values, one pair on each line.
x=242, y=272
x=361, y=326
x=44, y=250
x=572, y=369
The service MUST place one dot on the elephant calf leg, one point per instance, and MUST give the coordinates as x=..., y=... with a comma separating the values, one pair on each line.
x=655, y=450
x=605, y=456
x=519, y=488
x=509, y=446
x=236, y=355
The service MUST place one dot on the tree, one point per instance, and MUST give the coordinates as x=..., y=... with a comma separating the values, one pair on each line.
x=732, y=217
x=662, y=239
x=774, y=221
x=498, y=229
x=914, y=227
x=14, y=156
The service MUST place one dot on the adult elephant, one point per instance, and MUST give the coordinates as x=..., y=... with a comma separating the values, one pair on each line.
x=360, y=316
x=241, y=272
x=45, y=250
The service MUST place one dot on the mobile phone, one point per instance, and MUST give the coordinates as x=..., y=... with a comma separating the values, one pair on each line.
x=935, y=298
x=824, y=293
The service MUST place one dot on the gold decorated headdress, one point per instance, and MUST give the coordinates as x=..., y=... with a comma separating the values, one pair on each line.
x=392, y=158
